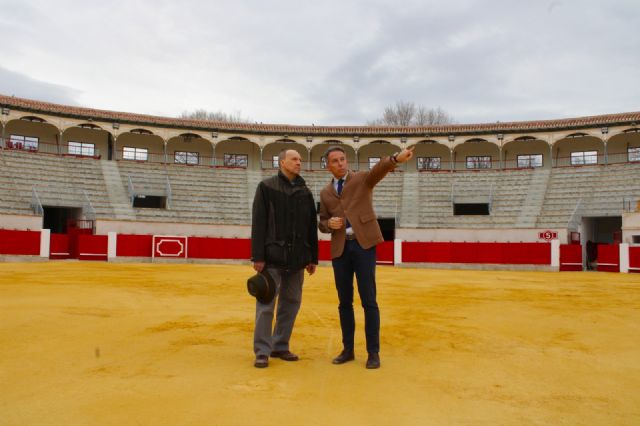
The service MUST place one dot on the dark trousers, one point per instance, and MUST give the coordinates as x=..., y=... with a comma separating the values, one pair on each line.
x=362, y=263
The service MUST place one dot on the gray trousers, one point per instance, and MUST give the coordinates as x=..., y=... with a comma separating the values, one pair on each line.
x=267, y=338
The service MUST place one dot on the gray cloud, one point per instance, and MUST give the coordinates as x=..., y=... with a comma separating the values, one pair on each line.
x=23, y=86
x=333, y=62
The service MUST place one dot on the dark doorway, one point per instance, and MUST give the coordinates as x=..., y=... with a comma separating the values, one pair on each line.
x=150, y=202
x=56, y=218
x=462, y=209
x=388, y=228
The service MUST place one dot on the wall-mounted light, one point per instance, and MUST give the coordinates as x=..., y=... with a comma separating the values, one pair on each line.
x=451, y=138
x=5, y=111
x=309, y=139
x=116, y=126
x=500, y=136
x=604, y=130
x=356, y=138
x=403, y=139
x=214, y=134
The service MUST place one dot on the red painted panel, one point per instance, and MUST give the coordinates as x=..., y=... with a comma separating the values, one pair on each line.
x=92, y=247
x=19, y=242
x=495, y=253
x=384, y=252
x=171, y=247
x=134, y=245
x=609, y=257
x=570, y=257
x=219, y=248
x=634, y=259
x=324, y=250
x=59, y=247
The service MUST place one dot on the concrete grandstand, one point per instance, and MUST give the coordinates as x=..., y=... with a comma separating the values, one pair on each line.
x=94, y=184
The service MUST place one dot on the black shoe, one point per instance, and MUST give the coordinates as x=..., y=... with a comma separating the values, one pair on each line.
x=262, y=361
x=344, y=356
x=285, y=355
x=373, y=361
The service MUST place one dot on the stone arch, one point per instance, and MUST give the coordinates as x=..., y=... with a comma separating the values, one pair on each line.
x=272, y=150
x=624, y=146
x=191, y=149
x=238, y=151
x=471, y=154
x=566, y=151
x=318, y=151
x=430, y=154
x=526, y=151
x=377, y=149
x=32, y=133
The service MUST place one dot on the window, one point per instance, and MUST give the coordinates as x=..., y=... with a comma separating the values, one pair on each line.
x=184, y=157
x=529, y=160
x=479, y=162
x=428, y=163
x=81, y=148
x=373, y=161
x=584, y=157
x=275, y=162
x=138, y=154
x=634, y=153
x=236, y=160
x=28, y=143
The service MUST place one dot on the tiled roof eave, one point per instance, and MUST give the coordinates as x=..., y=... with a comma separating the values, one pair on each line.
x=81, y=113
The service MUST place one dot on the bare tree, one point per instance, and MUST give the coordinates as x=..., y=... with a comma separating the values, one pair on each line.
x=203, y=114
x=408, y=114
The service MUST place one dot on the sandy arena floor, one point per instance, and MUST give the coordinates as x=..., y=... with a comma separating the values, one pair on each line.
x=96, y=343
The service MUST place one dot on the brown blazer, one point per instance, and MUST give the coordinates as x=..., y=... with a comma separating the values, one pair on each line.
x=356, y=204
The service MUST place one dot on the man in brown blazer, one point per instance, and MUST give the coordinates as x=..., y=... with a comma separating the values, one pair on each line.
x=346, y=212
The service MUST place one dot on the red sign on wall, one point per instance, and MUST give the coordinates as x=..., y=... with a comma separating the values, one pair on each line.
x=172, y=247
x=548, y=235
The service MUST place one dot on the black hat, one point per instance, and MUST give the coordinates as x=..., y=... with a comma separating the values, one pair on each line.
x=262, y=287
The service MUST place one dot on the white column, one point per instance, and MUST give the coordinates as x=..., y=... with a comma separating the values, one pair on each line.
x=397, y=251
x=112, y=242
x=555, y=253
x=624, y=257
x=45, y=242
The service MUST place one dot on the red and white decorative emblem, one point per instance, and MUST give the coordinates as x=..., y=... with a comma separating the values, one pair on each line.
x=169, y=246
x=548, y=235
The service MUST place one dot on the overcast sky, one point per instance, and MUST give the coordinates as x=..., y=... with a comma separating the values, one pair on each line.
x=326, y=62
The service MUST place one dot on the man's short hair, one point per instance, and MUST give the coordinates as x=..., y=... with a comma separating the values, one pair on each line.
x=283, y=153
x=333, y=149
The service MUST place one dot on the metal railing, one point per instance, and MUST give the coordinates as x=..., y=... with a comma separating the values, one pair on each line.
x=87, y=208
x=132, y=193
x=576, y=216
x=168, y=191
x=36, y=205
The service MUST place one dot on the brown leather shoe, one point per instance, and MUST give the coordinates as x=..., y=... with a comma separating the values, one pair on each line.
x=373, y=361
x=262, y=361
x=285, y=355
x=344, y=357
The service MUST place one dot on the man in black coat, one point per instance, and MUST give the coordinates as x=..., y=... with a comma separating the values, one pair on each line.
x=284, y=242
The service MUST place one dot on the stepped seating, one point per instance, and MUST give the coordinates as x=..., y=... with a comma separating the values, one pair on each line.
x=59, y=181
x=600, y=190
x=224, y=195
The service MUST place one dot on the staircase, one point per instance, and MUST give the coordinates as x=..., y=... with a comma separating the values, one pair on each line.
x=535, y=198
x=118, y=198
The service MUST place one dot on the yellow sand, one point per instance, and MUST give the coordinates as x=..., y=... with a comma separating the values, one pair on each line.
x=97, y=343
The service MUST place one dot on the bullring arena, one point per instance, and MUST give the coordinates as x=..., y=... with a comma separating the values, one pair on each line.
x=507, y=280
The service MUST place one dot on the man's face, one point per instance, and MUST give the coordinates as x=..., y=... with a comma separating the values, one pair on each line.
x=292, y=162
x=337, y=163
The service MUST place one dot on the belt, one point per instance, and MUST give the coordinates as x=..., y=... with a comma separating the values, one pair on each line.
x=350, y=237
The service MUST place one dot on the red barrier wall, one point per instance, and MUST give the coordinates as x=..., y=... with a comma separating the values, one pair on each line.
x=20, y=242
x=609, y=257
x=634, y=259
x=495, y=253
x=134, y=245
x=92, y=247
x=324, y=250
x=59, y=246
x=384, y=253
x=219, y=248
x=570, y=257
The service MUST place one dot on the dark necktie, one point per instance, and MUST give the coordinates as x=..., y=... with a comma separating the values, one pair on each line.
x=340, y=185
